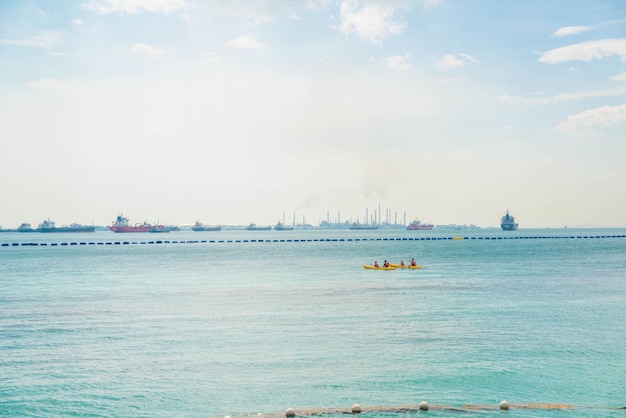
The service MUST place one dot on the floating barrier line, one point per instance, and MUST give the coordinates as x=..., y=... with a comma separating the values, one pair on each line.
x=356, y=409
x=254, y=241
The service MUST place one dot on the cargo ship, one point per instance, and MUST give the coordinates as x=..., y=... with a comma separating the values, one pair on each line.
x=121, y=225
x=254, y=227
x=507, y=223
x=418, y=226
x=25, y=227
x=358, y=226
x=157, y=229
x=50, y=226
x=199, y=226
x=282, y=227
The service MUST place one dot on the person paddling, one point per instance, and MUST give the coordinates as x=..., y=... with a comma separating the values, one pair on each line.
x=376, y=264
x=413, y=263
x=386, y=264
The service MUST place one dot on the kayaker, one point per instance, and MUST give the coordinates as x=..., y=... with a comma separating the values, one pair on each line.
x=386, y=264
x=402, y=262
x=375, y=263
x=413, y=263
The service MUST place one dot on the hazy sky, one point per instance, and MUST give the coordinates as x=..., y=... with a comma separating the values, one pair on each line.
x=231, y=112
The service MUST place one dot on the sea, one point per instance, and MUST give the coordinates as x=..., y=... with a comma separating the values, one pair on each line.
x=250, y=323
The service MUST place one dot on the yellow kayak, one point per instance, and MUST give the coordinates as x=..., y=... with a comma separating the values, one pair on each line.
x=398, y=266
x=378, y=268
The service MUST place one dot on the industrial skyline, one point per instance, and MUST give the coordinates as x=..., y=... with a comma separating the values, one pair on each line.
x=232, y=112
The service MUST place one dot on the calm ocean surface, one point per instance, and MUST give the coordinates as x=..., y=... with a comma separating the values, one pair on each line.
x=239, y=328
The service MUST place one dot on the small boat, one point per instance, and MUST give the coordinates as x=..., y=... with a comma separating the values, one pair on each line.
x=282, y=227
x=406, y=266
x=418, y=226
x=370, y=267
x=254, y=227
x=199, y=226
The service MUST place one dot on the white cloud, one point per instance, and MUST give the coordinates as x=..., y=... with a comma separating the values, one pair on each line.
x=47, y=40
x=602, y=117
x=570, y=30
x=370, y=22
x=562, y=97
x=586, y=51
x=45, y=84
x=258, y=20
x=39, y=11
x=620, y=77
x=64, y=54
x=398, y=62
x=245, y=42
x=147, y=50
x=468, y=58
x=451, y=61
x=431, y=3
x=77, y=22
x=130, y=7
x=546, y=160
x=211, y=57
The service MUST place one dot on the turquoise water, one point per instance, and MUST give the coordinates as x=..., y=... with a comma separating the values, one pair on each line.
x=239, y=328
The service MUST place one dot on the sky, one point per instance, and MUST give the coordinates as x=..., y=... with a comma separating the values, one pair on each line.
x=232, y=112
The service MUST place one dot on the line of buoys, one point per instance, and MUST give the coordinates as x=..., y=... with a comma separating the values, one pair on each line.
x=159, y=242
x=422, y=407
